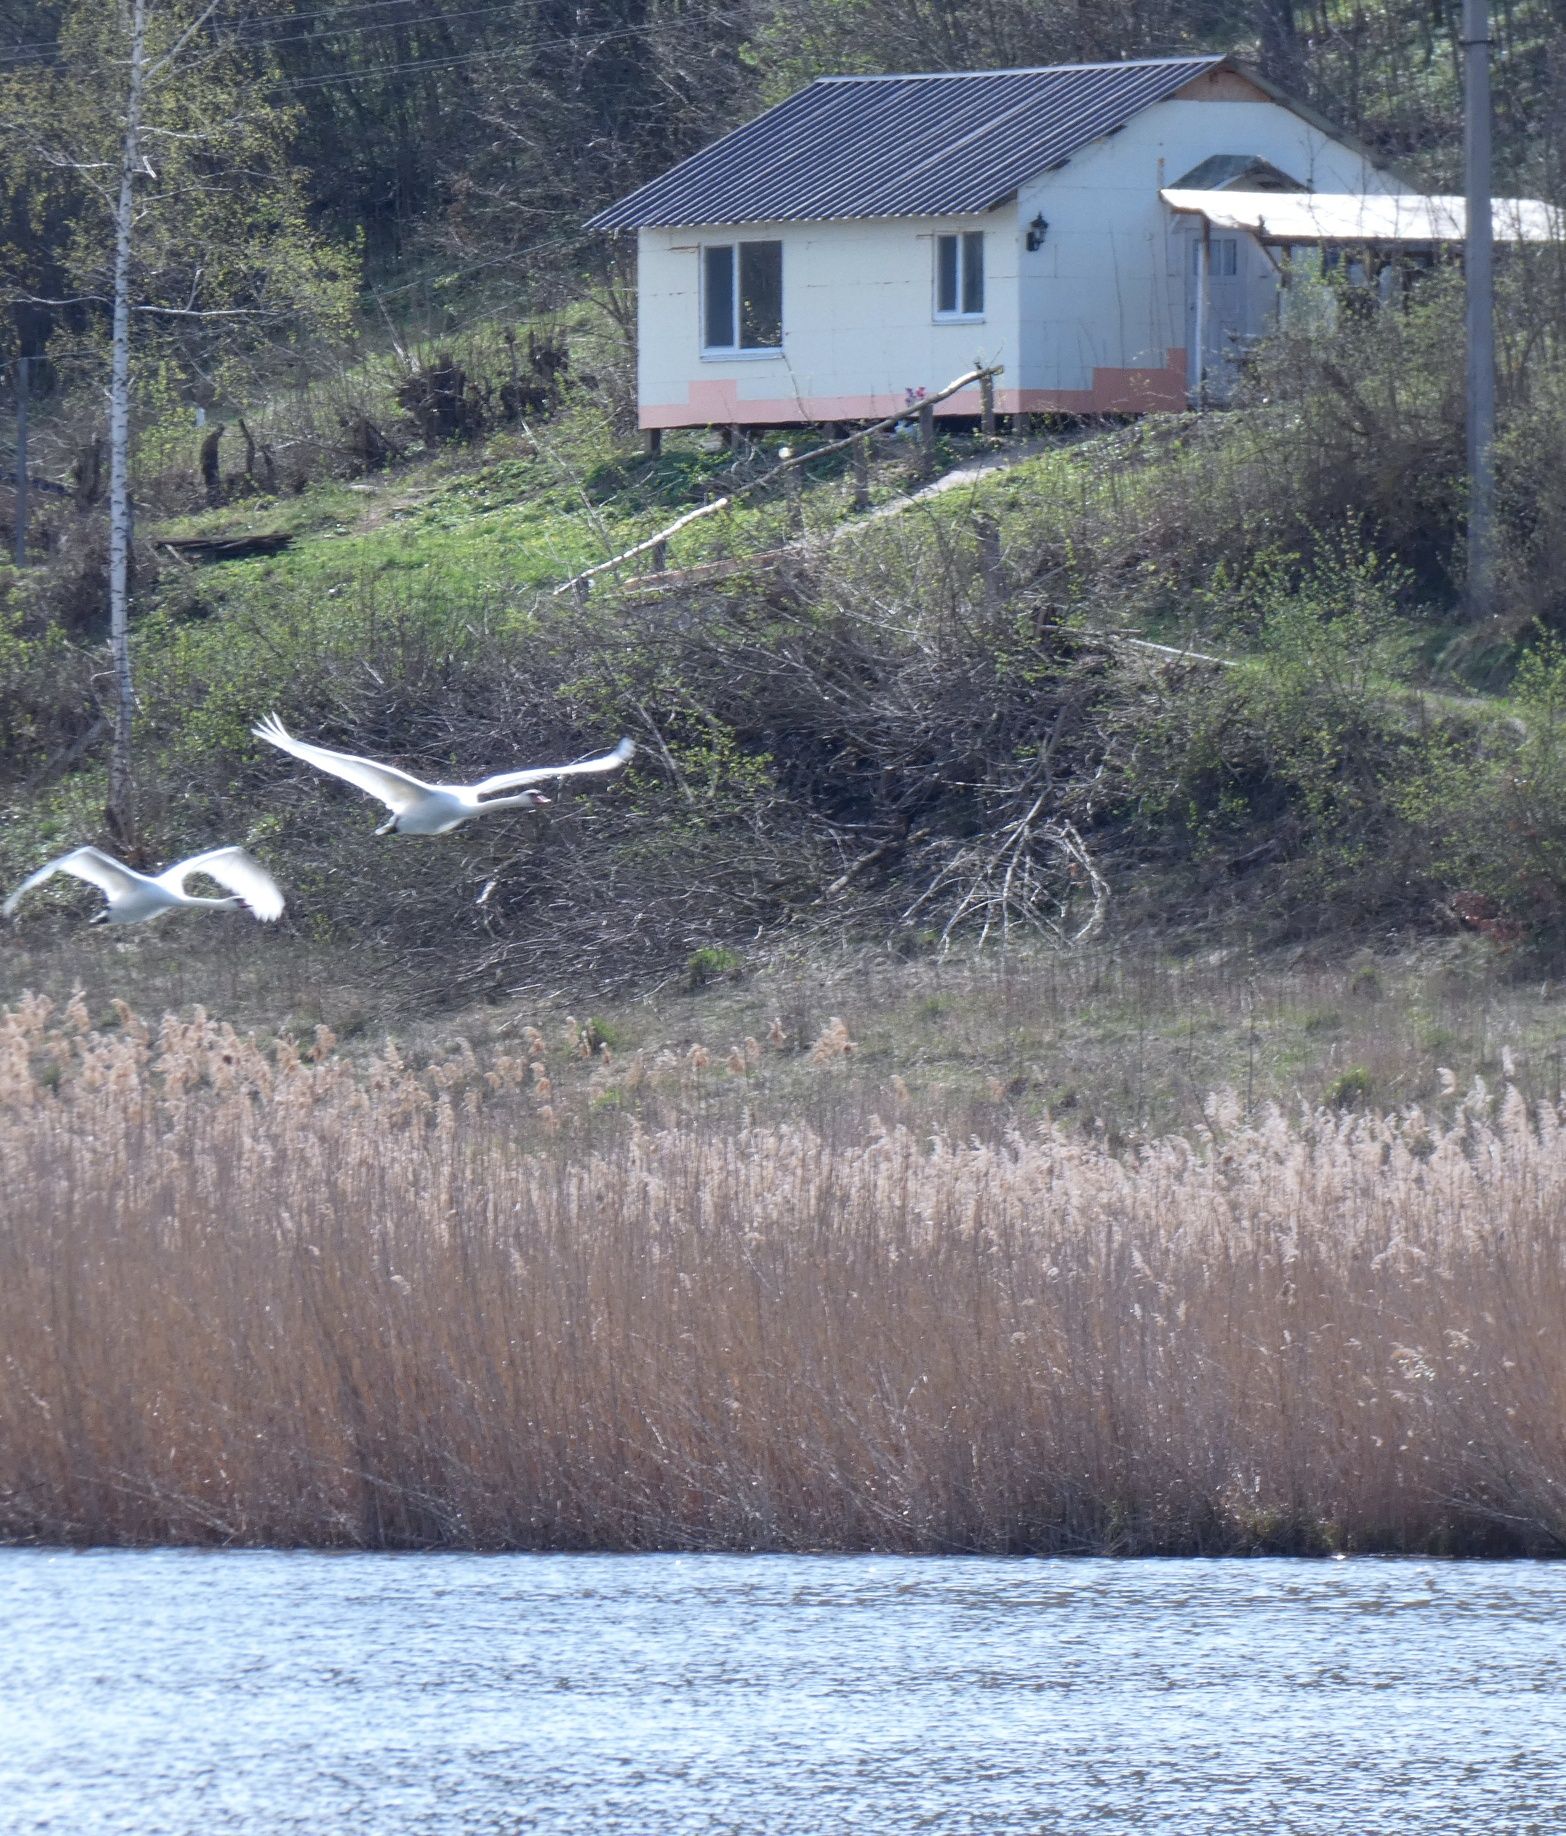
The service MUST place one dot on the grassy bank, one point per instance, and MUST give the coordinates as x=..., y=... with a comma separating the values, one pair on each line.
x=258, y=1295
x=1122, y=1040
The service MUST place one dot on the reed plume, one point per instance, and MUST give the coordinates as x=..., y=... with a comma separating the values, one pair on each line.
x=250, y=1293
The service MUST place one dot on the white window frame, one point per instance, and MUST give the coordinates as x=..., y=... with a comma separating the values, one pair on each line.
x=736, y=353
x=960, y=237
x=1223, y=259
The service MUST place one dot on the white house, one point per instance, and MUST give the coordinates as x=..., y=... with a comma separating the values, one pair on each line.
x=1100, y=230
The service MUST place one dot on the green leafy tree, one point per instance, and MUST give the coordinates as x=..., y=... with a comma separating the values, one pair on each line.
x=179, y=234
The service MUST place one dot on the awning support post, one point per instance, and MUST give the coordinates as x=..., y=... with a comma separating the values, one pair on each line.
x=1199, y=356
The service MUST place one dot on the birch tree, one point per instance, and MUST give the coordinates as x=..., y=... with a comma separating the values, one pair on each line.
x=120, y=809
x=184, y=239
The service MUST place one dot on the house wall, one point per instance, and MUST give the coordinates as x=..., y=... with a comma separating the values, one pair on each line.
x=1102, y=313
x=1093, y=322
x=859, y=325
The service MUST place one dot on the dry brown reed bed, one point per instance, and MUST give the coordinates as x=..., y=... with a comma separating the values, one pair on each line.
x=249, y=1295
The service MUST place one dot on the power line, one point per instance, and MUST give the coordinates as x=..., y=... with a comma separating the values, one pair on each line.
x=577, y=40
x=330, y=12
x=411, y=67
x=424, y=20
x=282, y=19
x=506, y=6
x=258, y=33
x=526, y=251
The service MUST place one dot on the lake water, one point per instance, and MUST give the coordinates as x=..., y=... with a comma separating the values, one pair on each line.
x=184, y=1694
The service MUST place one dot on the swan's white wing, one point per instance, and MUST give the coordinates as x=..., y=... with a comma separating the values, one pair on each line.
x=90, y=864
x=394, y=788
x=240, y=872
x=537, y=774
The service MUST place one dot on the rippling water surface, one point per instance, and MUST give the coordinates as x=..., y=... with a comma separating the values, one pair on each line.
x=188, y=1693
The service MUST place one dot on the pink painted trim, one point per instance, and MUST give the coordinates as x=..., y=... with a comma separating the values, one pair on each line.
x=718, y=404
x=1113, y=391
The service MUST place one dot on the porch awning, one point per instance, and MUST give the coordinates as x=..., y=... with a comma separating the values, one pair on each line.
x=1289, y=217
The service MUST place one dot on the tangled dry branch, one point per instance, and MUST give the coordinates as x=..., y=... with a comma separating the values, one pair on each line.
x=1033, y=874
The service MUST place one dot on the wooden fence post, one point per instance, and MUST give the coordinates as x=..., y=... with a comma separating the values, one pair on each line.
x=740, y=491
x=987, y=397
x=991, y=571
x=660, y=557
x=793, y=486
x=862, y=472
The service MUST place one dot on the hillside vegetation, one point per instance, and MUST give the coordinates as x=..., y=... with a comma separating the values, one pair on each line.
x=1196, y=680
x=1200, y=676
x=1053, y=1043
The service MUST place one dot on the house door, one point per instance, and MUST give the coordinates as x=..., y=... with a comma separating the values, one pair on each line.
x=1218, y=314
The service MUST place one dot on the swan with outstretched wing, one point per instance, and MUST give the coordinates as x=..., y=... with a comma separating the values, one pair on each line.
x=418, y=808
x=135, y=897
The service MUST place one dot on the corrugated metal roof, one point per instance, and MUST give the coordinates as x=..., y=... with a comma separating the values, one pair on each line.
x=901, y=146
x=1351, y=216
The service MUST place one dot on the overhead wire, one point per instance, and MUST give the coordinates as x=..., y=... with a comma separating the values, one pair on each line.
x=423, y=20
x=419, y=65
x=281, y=19
x=47, y=51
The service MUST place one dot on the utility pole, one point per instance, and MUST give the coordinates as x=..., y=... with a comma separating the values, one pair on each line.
x=1479, y=281
x=21, y=461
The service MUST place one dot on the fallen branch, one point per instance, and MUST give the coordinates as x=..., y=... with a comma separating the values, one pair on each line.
x=878, y=853
x=1178, y=653
x=704, y=571
x=227, y=548
x=731, y=498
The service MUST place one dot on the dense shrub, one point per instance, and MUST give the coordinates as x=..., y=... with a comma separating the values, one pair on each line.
x=1489, y=804
x=1282, y=774
x=1363, y=406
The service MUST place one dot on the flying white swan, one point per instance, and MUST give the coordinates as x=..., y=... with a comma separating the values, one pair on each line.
x=418, y=808
x=135, y=897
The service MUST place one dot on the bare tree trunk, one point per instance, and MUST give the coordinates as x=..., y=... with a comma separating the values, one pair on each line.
x=1278, y=32
x=120, y=811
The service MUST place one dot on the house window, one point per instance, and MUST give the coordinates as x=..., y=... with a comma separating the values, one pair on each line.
x=742, y=297
x=959, y=275
x=1223, y=256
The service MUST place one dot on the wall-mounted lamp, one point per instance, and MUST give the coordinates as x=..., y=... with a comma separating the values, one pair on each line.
x=1038, y=229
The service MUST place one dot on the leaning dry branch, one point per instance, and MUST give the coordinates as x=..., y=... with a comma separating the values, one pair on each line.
x=733, y=497
x=1033, y=873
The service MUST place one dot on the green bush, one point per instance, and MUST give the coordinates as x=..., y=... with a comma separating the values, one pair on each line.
x=1489, y=804
x=711, y=964
x=1288, y=763
x=1351, y=1089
